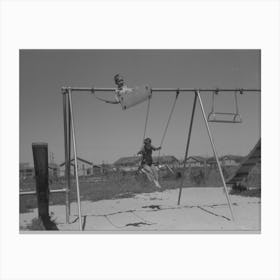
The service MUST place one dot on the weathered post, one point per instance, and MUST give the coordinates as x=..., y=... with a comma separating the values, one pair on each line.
x=40, y=157
x=67, y=150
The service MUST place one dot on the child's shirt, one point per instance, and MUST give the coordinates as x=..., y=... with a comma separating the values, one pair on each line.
x=120, y=93
x=146, y=153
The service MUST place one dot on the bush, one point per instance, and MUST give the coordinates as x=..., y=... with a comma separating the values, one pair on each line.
x=238, y=188
x=197, y=176
x=36, y=224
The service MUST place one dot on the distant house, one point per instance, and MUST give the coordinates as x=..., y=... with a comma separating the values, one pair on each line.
x=227, y=160
x=106, y=168
x=54, y=170
x=231, y=160
x=95, y=170
x=83, y=167
x=128, y=163
x=26, y=171
x=171, y=161
x=195, y=161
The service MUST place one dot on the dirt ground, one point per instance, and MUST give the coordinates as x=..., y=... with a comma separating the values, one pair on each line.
x=201, y=210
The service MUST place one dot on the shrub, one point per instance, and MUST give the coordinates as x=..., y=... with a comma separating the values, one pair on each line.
x=238, y=188
x=197, y=176
x=36, y=224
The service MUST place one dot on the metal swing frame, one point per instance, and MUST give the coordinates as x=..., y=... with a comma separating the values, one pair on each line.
x=69, y=132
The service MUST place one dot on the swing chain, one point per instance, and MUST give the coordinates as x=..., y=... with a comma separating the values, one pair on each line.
x=167, y=124
x=92, y=90
x=147, y=115
x=215, y=92
x=236, y=104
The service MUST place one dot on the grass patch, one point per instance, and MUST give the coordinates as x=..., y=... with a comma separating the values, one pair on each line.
x=36, y=224
x=247, y=193
x=41, y=224
x=124, y=185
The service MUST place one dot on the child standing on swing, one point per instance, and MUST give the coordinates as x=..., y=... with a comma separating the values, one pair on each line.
x=129, y=97
x=147, y=161
x=122, y=88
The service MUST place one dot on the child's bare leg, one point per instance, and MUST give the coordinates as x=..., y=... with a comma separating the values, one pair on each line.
x=155, y=172
x=152, y=172
x=155, y=176
x=148, y=172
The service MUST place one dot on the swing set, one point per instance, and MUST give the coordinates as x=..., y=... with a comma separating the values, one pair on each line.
x=136, y=96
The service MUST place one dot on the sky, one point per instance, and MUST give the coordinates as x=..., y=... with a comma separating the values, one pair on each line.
x=104, y=132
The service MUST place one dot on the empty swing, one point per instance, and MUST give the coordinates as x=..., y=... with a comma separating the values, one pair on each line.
x=224, y=117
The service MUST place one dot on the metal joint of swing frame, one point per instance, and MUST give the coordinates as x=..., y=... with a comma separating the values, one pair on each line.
x=197, y=96
x=236, y=117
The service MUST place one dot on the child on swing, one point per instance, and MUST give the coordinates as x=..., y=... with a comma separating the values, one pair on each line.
x=147, y=161
x=119, y=81
x=129, y=97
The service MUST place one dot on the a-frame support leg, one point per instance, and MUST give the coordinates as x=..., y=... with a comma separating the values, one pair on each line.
x=72, y=126
x=197, y=95
x=187, y=146
x=67, y=147
x=215, y=153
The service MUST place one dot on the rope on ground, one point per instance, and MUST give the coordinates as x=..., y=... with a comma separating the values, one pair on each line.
x=155, y=208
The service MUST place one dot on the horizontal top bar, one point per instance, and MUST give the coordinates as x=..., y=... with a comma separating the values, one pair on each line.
x=92, y=89
x=204, y=89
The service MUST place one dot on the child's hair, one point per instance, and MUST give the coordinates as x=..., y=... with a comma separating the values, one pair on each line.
x=116, y=77
x=147, y=140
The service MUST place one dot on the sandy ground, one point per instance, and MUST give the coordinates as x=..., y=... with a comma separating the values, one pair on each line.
x=201, y=209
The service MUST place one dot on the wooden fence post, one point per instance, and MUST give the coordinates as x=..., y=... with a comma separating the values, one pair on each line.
x=40, y=157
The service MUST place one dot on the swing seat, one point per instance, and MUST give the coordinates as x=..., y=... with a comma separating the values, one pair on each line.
x=219, y=117
x=130, y=97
